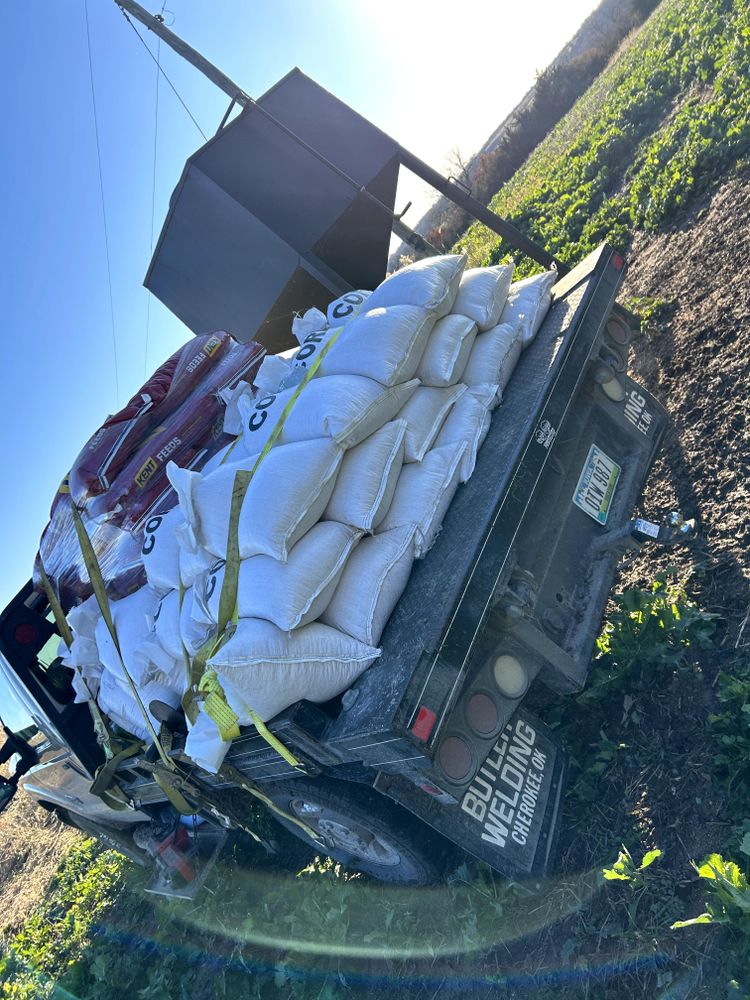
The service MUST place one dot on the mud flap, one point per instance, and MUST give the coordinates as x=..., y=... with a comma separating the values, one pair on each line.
x=509, y=815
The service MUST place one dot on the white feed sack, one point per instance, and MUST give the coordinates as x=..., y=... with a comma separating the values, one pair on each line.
x=193, y=563
x=347, y=408
x=272, y=372
x=166, y=555
x=371, y=584
x=117, y=701
x=424, y=415
x=482, y=294
x=382, y=344
x=160, y=552
x=346, y=306
x=265, y=669
x=287, y=495
x=493, y=358
x=203, y=745
x=308, y=323
x=174, y=628
x=527, y=305
x=83, y=656
x=232, y=423
x=290, y=594
x=424, y=493
x=447, y=351
x=367, y=478
x=84, y=617
x=132, y=618
x=468, y=421
x=431, y=284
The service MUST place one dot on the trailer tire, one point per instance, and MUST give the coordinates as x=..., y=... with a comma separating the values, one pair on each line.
x=363, y=830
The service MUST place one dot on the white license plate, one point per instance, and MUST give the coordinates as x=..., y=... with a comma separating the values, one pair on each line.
x=596, y=484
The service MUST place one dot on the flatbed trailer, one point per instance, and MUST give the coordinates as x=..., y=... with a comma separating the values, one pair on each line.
x=433, y=737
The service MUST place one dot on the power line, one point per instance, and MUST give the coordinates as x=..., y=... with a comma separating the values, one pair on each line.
x=104, y=213
x=161, y=70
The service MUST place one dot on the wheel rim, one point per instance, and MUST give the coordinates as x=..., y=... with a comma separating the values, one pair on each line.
x=339, y=831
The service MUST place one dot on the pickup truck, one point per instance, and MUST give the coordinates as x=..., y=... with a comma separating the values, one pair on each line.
x=432, y=745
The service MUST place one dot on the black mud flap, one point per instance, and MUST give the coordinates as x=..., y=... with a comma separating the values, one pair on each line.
x=509, y=815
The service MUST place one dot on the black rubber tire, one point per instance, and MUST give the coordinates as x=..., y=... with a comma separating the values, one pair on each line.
x=421, y=852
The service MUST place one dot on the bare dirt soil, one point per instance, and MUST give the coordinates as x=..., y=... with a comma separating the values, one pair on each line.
x=698, y=364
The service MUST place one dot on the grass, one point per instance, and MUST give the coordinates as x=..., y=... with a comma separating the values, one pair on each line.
x=31, y=844
x=659, y=127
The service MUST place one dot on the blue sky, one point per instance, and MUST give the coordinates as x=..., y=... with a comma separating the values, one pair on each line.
x=432, y=75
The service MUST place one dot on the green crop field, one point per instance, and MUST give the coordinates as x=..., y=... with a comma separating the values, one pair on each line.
x=660, y=126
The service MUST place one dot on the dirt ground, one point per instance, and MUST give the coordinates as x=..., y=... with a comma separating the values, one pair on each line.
x=698, y=364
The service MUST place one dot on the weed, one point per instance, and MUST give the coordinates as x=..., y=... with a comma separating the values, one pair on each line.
x=647, y=635
x=639, y=881
x=649, y=310
x=624, y=869
x=729, y=895
x=54, y=935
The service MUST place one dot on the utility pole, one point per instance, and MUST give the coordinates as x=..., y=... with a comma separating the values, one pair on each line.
x=215, y=75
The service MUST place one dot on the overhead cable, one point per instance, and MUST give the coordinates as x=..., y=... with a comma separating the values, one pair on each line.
x=161, y=70
x=104, y=212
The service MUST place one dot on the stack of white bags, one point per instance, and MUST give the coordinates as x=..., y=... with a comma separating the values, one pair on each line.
x=354, y=489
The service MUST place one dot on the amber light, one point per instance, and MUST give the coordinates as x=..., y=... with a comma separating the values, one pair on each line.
x=510, y=676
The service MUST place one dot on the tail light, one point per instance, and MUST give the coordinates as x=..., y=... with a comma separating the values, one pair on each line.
x=618, y=331
x=510, y=676
x=25, y=634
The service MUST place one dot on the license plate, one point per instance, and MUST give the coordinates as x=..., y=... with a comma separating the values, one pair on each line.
x=596, y=485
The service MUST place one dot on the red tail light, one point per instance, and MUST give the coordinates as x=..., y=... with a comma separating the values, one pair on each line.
x=25, y=634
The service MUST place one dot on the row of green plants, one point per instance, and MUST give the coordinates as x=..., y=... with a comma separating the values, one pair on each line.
x=661, y=126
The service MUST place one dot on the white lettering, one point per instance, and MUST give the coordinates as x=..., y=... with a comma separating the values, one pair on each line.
x=473, y=806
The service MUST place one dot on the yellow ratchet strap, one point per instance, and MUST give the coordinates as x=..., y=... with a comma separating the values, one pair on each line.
x=100, y=591
x=206, y=682
x=215, y=706
x=100, y=726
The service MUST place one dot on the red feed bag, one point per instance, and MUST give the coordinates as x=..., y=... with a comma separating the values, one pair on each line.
x=114, y=517
x=105, y=454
